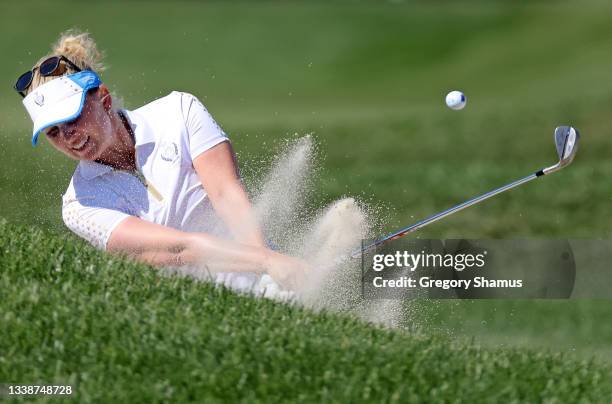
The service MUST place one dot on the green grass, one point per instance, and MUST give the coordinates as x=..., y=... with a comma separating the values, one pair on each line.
x=119, y=331
x=368, y=78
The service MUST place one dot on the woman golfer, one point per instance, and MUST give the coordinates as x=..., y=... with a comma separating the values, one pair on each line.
x=154, y=183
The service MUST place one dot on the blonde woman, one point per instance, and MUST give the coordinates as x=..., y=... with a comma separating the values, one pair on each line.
x=152, y=183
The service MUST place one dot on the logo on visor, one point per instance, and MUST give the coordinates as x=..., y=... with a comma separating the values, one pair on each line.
x=88, y=80
x=39, y=99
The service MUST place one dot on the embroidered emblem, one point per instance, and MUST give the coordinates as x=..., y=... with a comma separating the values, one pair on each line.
x=169, y=152
x=39, y=99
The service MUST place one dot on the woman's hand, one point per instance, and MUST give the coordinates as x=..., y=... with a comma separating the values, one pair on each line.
x=288, y=272
x=162, y=246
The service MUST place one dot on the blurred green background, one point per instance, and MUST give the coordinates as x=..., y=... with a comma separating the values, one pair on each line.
x=368, y=79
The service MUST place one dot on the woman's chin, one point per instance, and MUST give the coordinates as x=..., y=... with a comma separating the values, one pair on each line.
x=89, y=151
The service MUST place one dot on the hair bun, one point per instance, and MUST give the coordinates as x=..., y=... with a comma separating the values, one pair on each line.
x=81, y=49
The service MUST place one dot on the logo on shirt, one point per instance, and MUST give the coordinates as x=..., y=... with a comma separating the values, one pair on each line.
x=169, y=152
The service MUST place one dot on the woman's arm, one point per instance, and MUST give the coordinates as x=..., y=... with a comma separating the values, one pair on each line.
x=218, y=172
x=163, y=246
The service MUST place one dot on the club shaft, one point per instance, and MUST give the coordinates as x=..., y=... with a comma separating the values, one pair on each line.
x=445, y=213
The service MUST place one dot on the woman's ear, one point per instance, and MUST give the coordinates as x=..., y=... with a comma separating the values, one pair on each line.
x=105, y=97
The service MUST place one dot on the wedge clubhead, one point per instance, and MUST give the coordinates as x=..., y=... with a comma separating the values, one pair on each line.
x=566, y=141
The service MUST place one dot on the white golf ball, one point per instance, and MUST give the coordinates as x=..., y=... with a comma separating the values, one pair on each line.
x=456, y=100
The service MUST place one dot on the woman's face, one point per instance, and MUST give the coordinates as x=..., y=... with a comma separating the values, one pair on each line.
x=91, y=134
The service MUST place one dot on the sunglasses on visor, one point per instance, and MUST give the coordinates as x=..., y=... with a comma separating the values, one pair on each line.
x=49, y=67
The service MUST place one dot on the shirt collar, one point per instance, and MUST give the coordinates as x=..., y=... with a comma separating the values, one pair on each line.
x=142, y=135
x=142, y=131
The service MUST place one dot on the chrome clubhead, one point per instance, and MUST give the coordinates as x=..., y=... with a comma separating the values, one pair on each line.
x=566, y=141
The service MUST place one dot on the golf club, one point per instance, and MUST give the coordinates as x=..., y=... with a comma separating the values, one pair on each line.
x=566, y=142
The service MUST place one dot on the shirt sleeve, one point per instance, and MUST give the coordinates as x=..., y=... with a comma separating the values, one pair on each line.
x=94, y=224
x=203, y=131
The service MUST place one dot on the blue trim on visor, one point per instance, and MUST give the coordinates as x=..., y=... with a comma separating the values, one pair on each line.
x=85, y=79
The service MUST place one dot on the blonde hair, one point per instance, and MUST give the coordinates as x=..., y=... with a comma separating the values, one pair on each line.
x=78, y=47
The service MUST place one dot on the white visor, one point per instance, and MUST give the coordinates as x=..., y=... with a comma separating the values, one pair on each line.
x=60, y=100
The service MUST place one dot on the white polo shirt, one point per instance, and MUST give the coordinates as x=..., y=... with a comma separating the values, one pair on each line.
x=169, y=133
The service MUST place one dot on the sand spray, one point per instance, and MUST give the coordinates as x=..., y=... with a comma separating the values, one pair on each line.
x=318, y=236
